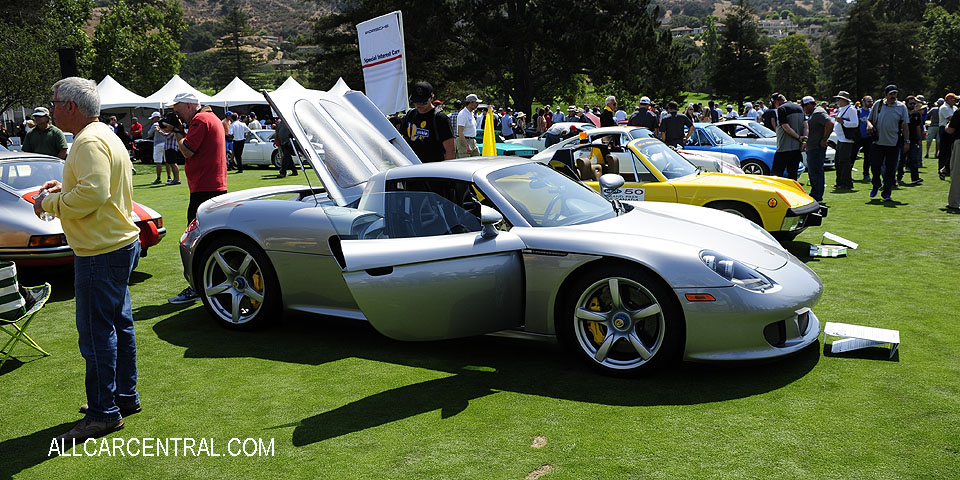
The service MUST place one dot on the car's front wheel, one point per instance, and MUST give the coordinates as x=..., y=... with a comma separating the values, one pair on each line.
x=621, y=320
x=754, y=167
x=238, y=284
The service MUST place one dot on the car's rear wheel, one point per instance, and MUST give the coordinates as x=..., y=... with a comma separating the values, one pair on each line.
x=738, y=209
x=238, y=285
x=620, y=320
x=275, y=158
x=754, y=167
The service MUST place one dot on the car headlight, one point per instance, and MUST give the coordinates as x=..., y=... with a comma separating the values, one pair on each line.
x=736, y=272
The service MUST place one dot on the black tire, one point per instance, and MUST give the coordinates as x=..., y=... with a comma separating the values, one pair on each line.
x=738, y=208
x=275, y=158
x=592, y=324
x=754, y=167
x=257, y=279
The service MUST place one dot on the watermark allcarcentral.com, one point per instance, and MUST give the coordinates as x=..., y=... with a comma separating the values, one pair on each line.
x=162, y=447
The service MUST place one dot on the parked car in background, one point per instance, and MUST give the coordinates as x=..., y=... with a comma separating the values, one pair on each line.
x=260, y=149
x=711, y=140
x=504, y=148
x=655, y=172
x=28, y=240
x=618, y=137
x=754, y=133
x=539, y=142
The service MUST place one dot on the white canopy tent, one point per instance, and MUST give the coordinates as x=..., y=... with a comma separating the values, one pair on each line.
x=114, y=95
x=176, y=85
x=288, y=84
x=237, y=93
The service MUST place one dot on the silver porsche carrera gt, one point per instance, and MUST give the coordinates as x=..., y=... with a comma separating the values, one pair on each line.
x=473, y=246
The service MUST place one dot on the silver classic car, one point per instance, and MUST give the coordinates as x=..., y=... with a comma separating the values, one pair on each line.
x=461, y=248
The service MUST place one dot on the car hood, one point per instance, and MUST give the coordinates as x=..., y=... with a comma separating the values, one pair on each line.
x=748, y=147
x=343, y=135
x=673, y=225
x=787, y=189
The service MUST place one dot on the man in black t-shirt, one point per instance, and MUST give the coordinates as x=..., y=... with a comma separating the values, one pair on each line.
x=426, y=129
x=769, y=118
x=643, y=117
x=672, y=127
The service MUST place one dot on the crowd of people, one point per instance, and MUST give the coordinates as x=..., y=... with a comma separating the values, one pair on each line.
x=890, y=134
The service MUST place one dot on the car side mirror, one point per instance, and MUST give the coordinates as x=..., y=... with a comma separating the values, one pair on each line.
x=610, y=183
x=489, y=218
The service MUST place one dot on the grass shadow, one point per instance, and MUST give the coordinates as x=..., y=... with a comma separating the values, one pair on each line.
x=21, y=453
x=10, y=365
x=479, y=366
x=801, y=250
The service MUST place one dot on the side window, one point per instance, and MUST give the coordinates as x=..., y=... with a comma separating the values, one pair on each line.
x=643, y=173
x=742, y=132
x=697, y=140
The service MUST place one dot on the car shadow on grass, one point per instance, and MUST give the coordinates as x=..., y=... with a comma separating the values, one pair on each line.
x=21, y=453
x=479, y=366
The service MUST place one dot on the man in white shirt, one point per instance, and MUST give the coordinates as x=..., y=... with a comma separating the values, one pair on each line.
x=847, y=118
x=467, y=128
x=240, y=132
x=750, y=112
x=730, y=115
x=620, y=115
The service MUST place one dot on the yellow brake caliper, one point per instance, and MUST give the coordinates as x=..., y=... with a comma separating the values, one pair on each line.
x=257, y=280
x=594, y=327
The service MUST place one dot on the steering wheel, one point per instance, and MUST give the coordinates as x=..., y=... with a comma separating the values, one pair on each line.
x=553, y=203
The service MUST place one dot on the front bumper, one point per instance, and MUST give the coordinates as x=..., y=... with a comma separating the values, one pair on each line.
x=809, y=215
x=745, y=325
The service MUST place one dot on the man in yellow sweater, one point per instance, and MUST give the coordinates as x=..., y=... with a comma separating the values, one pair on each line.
x=94, y=203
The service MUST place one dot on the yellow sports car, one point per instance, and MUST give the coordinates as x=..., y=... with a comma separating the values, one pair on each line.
x=655, y=172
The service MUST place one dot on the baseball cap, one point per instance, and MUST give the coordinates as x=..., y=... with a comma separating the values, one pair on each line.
x=890, y=88
x=806, y=100
x=939, y=101
x=474, y=98
x=421, y=92
x=572, y=108
x=644, y=100
x=729, y=107
x=155, y=115
x=40, y=112
x=185, y=97
x=228, y=113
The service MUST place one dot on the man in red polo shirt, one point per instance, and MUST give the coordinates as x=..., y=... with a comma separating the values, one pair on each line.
x=203, y=147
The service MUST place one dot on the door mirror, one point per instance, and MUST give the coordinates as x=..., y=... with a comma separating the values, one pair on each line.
x=489, y=218
x=610, y=183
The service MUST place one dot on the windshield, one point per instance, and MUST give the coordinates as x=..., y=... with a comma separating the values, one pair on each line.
x=719, y=136
x=665, y=159
x=29, y=174
x=764, y=132
x=345, y=143
x=546, y=198
x=640, y=133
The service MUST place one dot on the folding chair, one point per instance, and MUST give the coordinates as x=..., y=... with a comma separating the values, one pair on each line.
x=18, y=306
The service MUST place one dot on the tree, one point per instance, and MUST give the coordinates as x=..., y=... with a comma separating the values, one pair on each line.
x=30, y=34
x=943, y=40
x=854, y=51
x=742, y=65
x=139, y=45
x=793, y=70
x=232, y=59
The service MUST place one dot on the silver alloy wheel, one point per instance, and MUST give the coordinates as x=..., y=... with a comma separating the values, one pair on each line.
x=628, y=318
x=231, y=278
x=752, y=168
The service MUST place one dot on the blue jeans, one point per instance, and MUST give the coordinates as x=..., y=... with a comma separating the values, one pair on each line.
x=815, y=159
x=105, y=327
x=883, y=164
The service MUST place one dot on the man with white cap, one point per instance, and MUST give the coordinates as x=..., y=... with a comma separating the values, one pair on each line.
x=159, y=139
x=847, y=128
x=730, y=115
x=206, y=164
x=643, y=117
x=467, y=128
x=45, y=138
x=819, y=127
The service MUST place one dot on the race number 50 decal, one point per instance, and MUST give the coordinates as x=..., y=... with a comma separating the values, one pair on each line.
x=631, y=194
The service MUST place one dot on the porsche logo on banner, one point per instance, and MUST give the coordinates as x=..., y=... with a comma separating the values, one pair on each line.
x=383, y=62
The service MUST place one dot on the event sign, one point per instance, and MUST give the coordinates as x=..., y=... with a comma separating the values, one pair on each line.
x=383, y=62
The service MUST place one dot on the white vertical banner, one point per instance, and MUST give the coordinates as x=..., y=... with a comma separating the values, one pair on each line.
x=383, y=62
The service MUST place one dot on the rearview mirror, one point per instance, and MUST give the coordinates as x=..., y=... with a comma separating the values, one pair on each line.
x=489, y=218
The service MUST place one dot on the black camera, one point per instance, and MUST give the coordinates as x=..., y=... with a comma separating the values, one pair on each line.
x=172, y=120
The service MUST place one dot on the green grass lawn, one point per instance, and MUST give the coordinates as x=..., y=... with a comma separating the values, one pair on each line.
x=338, y=400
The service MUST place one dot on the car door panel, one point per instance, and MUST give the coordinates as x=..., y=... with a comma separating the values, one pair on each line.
x=432, y=288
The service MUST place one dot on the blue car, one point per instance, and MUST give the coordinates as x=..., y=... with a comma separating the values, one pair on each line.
x=754, y=159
